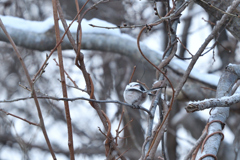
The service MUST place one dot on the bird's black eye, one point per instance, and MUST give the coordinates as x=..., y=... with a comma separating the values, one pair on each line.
x=142, y=88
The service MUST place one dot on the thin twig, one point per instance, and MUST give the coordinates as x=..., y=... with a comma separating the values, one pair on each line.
x=63, y=82
x=74, y=83
x=7, y=113
x=196, y=145
x=117, y=130
x=134, y=68
x=223, y=12
x=66, y=27
x=126, y=125
x=109, y=138
x=41, y=72
x=66, y=32
x=75, y=99
x=184, y=46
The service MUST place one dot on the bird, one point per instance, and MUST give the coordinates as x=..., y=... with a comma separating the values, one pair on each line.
x=136, y=94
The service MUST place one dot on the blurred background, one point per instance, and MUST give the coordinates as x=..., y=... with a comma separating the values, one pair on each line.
x=111, y=72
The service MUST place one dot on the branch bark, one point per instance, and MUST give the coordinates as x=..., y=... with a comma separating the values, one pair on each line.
x=227, y=80
x=215, y=8
x=213, y=102
x=63, y=82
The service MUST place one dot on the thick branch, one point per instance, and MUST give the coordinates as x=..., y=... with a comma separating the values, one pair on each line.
x=107, y=41
x=94, y=39
x=213, y=102
x=226, y=82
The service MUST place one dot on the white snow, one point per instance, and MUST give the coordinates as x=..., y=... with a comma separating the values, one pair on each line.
x=26, y=25
x=43, y=26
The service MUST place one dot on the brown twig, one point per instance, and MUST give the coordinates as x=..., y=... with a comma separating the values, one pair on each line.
x=120, y=156
x=208, y=155
x=92, y=90
x=208, y=21
x=41, y=72
x=126, y=125
x=222, y=124
x=76, y=88
x=217, y=132
x=117, y=130
x=66, y=27
x=184, y=46
x=7, y=113
x=74, y=83
x=62, y=75
x=193, y=152
x=159, y=130
x=24, y=87
x=79, y=29
x=139, y=48
x=134, y=68
x=50, y=54
x=108, y=140
x=77, y=5
x=196, y=147
x=156, y=10
x=66, y=32
x=79, y=62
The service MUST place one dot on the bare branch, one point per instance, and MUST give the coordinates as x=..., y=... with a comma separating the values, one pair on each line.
x=78, y=98
x=7, y=113
x=220, y=114
x=213, y=102
x=63, y=82
x=217, y=10
x=196, y=145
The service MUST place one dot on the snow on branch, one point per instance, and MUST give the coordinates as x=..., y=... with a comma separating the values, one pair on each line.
x=213, y=102
x=219, y=115
x=38, y=35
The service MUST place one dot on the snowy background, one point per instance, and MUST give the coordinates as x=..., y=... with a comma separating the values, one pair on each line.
x=83, y=116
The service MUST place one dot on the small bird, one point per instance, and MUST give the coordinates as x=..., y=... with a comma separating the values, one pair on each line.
x=136, y=94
